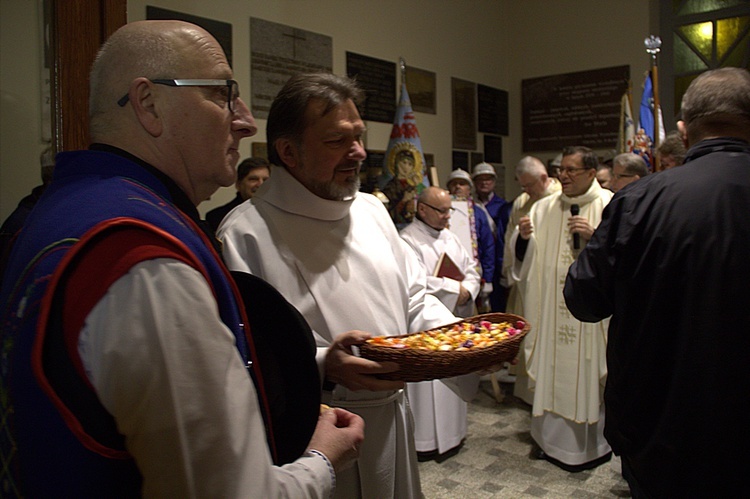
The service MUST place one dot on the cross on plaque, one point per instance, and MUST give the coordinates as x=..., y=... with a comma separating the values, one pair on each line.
x=294, y=36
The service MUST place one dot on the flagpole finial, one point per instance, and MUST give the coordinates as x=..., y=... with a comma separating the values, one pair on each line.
x=653, y=46
x=402, y=67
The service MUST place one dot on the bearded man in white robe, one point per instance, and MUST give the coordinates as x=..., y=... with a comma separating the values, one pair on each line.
x=439, y=413
x=565, y=358
x=335, y=254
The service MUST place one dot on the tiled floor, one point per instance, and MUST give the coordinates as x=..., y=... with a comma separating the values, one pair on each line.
x=494, y=460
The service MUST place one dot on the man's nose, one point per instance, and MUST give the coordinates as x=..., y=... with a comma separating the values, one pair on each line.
x=243, y=121
x=357, y=151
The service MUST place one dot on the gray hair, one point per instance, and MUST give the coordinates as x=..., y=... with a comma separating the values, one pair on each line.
x=633, y=164
x=673, y=145
x=717, y=103
x=532, y=166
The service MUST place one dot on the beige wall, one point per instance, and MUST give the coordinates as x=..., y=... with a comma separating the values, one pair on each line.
x=492, y=42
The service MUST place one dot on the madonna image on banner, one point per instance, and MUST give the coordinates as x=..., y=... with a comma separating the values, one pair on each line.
x=405, y=166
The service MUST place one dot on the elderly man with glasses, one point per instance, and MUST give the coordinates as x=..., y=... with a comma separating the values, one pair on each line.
x=626, y=169
x=134, y=371
x=564, y=357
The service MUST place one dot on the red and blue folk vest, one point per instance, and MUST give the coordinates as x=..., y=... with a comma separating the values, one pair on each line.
x=102, y=214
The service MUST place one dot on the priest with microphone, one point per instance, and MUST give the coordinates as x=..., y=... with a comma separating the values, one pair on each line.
x=564, y=357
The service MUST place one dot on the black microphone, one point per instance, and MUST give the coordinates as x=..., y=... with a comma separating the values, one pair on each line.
x=575, y=210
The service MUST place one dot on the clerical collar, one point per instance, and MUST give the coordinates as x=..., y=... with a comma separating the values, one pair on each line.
x=427, y=228
x=286, y=193
x=179, y=198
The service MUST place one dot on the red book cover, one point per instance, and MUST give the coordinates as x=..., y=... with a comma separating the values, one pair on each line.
x=447, y=268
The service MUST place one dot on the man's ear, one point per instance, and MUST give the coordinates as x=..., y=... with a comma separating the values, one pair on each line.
x=143, y=100
x=682, y=128
x=288, y=152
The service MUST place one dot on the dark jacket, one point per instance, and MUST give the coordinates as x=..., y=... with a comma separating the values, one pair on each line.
x=671, y=263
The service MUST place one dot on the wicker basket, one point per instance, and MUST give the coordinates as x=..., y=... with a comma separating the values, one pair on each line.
x=422, y=365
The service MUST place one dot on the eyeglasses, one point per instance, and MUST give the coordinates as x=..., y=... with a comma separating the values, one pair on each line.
x=442, y=211
x=232, y=88
x=570, y=171
x=615, y=176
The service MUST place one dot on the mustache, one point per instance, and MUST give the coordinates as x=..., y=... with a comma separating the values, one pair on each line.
x=349, y=166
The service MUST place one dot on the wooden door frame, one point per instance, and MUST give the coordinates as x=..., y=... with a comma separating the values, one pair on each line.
x=77, y=30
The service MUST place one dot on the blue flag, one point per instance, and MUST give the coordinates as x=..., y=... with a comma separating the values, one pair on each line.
x=646, y=117
x=404, y=171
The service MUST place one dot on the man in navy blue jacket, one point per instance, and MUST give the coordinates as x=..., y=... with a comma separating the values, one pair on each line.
x=669, y=264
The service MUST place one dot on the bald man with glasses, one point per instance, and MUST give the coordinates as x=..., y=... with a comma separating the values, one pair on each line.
x=440, y=416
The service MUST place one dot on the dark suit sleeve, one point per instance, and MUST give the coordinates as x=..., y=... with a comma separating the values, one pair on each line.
x=590, y=284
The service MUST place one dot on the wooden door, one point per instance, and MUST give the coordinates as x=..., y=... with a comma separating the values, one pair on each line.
x=77, y=30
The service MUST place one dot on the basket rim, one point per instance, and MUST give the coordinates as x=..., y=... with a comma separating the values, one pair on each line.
x=471, y=319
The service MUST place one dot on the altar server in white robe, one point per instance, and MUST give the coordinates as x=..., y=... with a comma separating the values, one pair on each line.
x=335, y=254
x=439, y=413
x=565, y=358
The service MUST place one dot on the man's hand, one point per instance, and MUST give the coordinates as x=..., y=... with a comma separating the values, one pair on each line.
x=356, y=373
x=525, y=229
x=463, y=295
x=338, y=435
x=580, y=225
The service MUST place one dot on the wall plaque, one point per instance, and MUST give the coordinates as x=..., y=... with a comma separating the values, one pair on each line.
x=220, y=30
x=493, y=149
x=278, y=51
x=422, y=90
x=460, y=160
x=378, y=79
x=573, y=109
x=464, y=114
x=493, y=110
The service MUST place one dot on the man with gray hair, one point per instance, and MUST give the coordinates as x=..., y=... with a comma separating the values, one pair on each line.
x=671, y=151
x=536, y=184
x=626, y=169
x=669, y=264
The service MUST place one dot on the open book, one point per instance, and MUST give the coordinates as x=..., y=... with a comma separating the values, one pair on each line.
x=447, y=268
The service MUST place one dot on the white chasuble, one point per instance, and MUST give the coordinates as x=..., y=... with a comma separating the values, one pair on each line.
x=565, y=358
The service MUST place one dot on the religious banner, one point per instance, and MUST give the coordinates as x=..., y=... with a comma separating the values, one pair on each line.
x=404, y=172
x=626, y=138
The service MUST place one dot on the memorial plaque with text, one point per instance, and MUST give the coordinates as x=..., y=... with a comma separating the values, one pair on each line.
x=378, y=79
x=580, y=108
x=220, y=30
x=277, y=52
x=493, y=110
